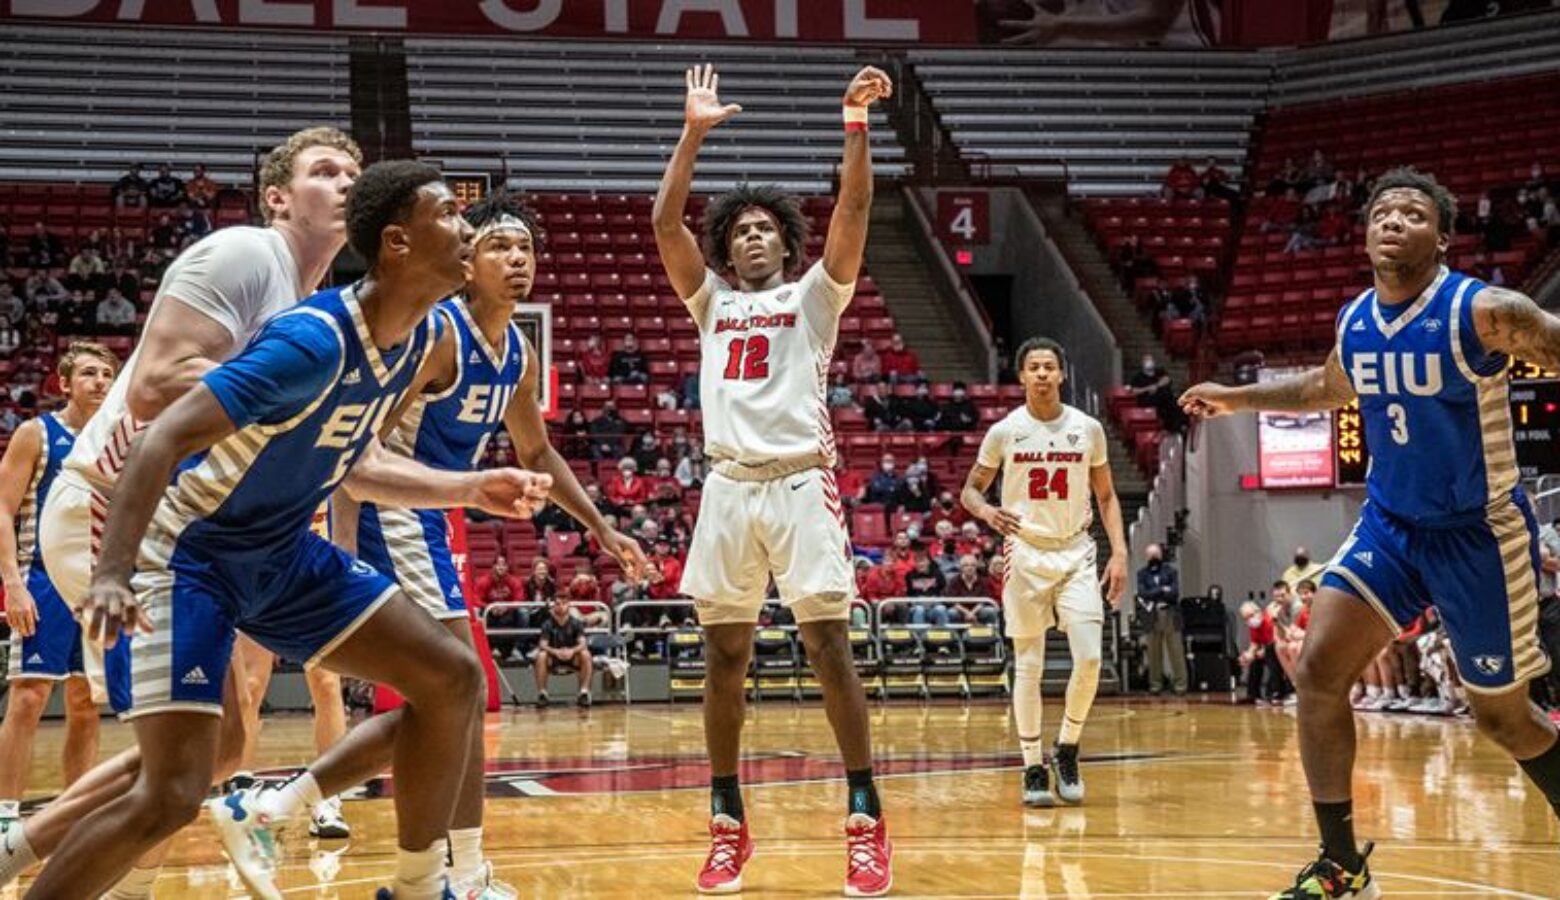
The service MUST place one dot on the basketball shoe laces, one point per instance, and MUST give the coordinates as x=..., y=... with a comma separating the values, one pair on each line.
x=725, y=844
x=863, y=851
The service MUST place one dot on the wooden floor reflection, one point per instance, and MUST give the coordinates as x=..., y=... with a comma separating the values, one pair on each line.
x=1184, y=800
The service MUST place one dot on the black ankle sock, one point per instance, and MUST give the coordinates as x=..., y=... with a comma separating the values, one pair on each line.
x=1544, y=770
x=1337, y=824
x=863, y=793
x=726, y=797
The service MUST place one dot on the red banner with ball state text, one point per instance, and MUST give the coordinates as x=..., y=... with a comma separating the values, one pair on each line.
x=387, y=699
x=728, y=21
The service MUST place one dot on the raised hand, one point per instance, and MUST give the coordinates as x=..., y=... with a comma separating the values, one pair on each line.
x=870, y=85
x=703, y=109
x=1039, y=29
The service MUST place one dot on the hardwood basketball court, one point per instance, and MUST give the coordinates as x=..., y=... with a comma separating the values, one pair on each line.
x=1193, y=799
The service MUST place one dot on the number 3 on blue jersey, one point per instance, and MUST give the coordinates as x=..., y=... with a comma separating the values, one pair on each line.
x=1399, y=417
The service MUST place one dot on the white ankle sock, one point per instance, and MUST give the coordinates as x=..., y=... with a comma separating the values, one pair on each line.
x=465, y=852
x=296, y=796
x=137, y=885
x=419, y=874
x=16, y=855
x=1034, y=752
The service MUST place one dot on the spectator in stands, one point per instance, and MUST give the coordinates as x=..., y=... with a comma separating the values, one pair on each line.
x=899, y=363
x=562, y=649
x=958, y=413
x=1549, y=605
x=10, y=339
x=688, y=390
x=1536, y=180
x=191, y=221
x=945, y=546
x=78, y=314
x=1216, y=183
x=129, y=192
x=45, y=250
x=541, y=587
x=501, y=452
x=84, y=269
x=1288, y=176
x=691, y=469
x=166, y=190
x=12, y=308
x=946, y=509
x=885, y=485
x=850, y=485
x=866, y=365
x=926, y=580
x=664, y=555
x=1485, y=271
x=201, y=190
x=1283, y=212
x=165, y=237
x=574, y=435
x=115, y=314
x=971, y=584
x=1182, y=180
x=584, y=596
x=595, y=360
x=840, y=395
x=1151, y=386
x=122, y=279
x=629, y=488
x=607, y=432
x=917, y=412
x=501, y=586
x=882, y=581
x=647, y=451
x=914, y=496
x=1336, y=226
x=880, y=411
x=1303, y=231
x=629, y=365
x=1319, y=171
x=603, y=503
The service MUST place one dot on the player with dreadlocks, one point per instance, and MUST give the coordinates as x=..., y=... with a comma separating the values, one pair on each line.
x=482, y=374
x=770, y=506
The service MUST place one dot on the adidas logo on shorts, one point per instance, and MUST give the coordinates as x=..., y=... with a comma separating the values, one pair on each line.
x=35, y=660
x=194, y=676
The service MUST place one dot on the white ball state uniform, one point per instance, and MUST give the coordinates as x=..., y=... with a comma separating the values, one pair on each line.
x=240, y=277
x=1050, y=577
x=770, y=505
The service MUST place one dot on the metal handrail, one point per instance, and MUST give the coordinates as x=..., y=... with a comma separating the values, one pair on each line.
x=877, y=612
x=523, y=605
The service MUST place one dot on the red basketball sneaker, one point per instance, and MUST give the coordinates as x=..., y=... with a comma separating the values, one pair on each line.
x=869, y=857
x=730, y=849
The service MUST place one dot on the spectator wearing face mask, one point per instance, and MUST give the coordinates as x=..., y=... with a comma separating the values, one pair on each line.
x=1264, y=678
x=1151, y=386
x=917, y=412
x=899, y=363
x=886, y=484
x=1303, y=569
x=959, y=412
x=1159, y=594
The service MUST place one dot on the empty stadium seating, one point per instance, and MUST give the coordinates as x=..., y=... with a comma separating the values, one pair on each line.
x=606, y=116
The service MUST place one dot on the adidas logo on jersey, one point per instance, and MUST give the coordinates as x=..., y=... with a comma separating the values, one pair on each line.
x=1359, y=325
x=474, y=358
x=62, y=441
x=1365, y=558
x=352, y=377
x=194, y=676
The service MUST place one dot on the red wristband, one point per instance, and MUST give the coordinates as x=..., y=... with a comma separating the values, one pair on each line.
x=855, y=118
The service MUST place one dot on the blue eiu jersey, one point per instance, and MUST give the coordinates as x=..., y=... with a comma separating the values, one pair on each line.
x=1433, y=402
x=306, y=395
x=449, y=430
x=57, y=443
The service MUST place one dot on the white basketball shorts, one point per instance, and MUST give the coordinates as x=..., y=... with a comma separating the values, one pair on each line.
x=1042, y=589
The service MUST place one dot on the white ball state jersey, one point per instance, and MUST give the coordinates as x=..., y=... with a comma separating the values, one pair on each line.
x=1045, y=471
x=764, y=368
x=240, y=277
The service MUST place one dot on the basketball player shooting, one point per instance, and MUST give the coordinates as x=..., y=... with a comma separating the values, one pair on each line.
x=1047, y=452
x=770, y=506
x=1445, y=522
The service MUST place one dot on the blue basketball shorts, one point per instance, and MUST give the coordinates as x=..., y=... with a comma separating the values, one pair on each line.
x=412, y=546
x=300, y=602
x=1482, y=578
x=54, y=650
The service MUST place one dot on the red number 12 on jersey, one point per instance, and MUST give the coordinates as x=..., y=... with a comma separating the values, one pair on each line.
x=1046, y=485
x=747, y=359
